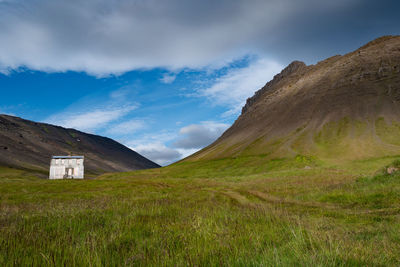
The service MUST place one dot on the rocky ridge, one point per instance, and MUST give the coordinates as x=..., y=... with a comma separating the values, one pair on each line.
x=344, y=107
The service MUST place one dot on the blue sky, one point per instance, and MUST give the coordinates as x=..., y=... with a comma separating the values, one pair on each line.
x=165, y=78
x=162, y=114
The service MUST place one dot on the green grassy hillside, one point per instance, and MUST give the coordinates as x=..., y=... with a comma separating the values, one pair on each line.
x=245, y=211
x=335, y=142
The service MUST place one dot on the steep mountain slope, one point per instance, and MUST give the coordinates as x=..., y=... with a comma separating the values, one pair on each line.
x=343, y=108
x=29, y=145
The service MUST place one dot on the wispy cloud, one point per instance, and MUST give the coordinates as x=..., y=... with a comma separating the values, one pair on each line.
x=233, y=88
x=168, y=78
x=90, y=120
x=127, y=127
x=92, y=113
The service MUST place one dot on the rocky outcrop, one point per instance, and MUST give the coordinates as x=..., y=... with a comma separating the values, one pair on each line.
x=293, y=68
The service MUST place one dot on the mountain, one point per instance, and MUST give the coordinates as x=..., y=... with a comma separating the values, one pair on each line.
x=343, y=108
x=29, y=145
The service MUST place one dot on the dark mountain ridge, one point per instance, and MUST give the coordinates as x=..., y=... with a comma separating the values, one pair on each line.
x=26, y=144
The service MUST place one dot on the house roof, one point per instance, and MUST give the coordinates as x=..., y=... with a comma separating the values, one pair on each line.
x=68, y=157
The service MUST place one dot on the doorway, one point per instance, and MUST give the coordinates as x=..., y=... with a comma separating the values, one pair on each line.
x=69, y=173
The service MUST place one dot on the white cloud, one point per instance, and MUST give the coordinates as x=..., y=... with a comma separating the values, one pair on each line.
x=90, y=114
x=196, y=136
x=187, y=152
x=160, y=137
x=127, y=127
x=120, y=94
x=158, y=153
x=90, y=120
x=232, y=89
x=102, y=37
x=153, y=146
x=187, y=141
x=168, y=78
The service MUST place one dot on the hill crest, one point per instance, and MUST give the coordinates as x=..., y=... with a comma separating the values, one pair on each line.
x=30, y=145
x=344, y=107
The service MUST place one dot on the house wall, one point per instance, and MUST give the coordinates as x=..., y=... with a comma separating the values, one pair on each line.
x=58, y=166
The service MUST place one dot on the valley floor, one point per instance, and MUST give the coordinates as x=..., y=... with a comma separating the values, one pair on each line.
x=205, y=214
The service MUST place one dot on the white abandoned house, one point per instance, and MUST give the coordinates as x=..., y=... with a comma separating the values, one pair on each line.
x=66, y=167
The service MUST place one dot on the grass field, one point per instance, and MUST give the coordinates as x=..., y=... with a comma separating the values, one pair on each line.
x=234, y=212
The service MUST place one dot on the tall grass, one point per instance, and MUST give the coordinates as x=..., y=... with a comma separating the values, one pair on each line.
x=204, y=214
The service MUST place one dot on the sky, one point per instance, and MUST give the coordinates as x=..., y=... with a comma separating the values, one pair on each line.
x=166, y=77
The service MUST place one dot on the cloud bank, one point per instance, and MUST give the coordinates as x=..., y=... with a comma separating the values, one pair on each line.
x=196, y=136
x=188, y=140
x=104, y=37
x=158, y=153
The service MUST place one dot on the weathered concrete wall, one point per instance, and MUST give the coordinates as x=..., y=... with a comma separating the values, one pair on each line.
x=66, y=168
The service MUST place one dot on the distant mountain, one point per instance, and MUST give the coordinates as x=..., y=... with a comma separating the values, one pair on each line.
x=29, y=145
x=343, y=108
